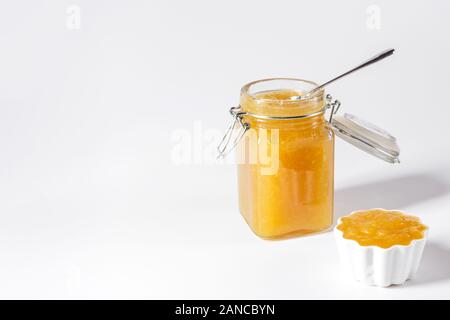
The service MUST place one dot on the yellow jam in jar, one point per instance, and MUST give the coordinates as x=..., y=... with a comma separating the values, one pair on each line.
x=285, y=167
x=381, y=228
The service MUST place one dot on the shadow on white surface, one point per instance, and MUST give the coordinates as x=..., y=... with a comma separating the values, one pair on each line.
x=434, y=267
x=394, y=193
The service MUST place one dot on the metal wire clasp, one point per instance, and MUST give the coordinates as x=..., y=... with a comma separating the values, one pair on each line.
x=334, y=105
x=224, y=146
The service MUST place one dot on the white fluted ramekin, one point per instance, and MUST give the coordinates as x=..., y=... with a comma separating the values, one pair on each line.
x=378, y=266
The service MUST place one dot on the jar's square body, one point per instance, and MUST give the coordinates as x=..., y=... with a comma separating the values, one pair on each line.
x=285, y=164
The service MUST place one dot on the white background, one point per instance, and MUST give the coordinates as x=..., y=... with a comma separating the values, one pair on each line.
x=93, y=204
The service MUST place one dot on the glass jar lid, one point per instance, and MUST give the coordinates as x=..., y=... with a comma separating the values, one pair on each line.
x=366, y=136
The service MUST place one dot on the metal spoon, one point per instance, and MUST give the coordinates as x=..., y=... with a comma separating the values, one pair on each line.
x=374, y=59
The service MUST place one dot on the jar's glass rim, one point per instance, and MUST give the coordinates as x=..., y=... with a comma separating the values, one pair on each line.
x=245, y=90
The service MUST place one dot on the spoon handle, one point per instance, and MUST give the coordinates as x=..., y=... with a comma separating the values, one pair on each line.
x=374, y=59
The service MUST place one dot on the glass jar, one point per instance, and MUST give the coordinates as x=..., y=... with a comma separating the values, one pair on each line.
x=285, y=165
x=285, y=155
